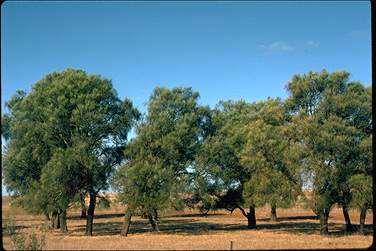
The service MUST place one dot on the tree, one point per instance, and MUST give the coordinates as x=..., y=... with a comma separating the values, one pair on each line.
x=333, y=117
x=71, y=130
x=270, y=154
x=354, y=107
x=219, y=156
x=24, y=157
x=165, y=146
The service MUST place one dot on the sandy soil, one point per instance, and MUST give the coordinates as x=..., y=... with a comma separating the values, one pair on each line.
x=297, y=228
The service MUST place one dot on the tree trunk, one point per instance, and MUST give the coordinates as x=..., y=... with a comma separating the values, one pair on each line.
x=349, y=226
x=153, y=223
x=324, y=216
x=83, y=206
x=127, y=222
x=155, y=215
x=83, y=214
x=90, y=214
x=156, y=220
x=55, y=222
x=63, y=221
x=251, y=217
x=273, y=214
x=362, y=219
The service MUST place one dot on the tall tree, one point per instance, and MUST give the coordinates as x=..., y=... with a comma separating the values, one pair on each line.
x=354, y=106
x=334, y=116
x=271, y=155
x=159, y=157
x=219, y=157
x=360, y=183
x=71, y=125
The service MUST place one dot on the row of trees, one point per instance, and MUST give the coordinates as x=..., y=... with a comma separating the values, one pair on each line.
x=68, y=138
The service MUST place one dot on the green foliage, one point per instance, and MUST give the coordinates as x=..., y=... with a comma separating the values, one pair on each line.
x=103, y=202
x=334, y=117
x=167, y=141
x=66, y=135
x=147, y=186
x=69, y=134
x=268, y=155
x=218, y=161
x=361, y=189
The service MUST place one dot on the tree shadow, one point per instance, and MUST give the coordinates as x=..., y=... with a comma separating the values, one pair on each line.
x=99, y=229
x=137, y=227
x=195, y=215
x=368, y=230
x=176, y=224
x=96, y=216
x=310, y=217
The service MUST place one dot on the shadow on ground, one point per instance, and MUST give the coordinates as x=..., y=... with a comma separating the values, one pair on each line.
x=97, y=216
x=175, y=224
x=313, y=217
x=195, y=215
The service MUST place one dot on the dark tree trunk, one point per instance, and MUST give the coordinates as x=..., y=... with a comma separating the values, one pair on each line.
x=251, y=217
x=55, y=222
x=83, y=205
x=153, y=222
x=156, y=220
x=90, y=214
x=63, y=221
x=83, y=214
x=349, y=226
x=324, y=216
x=155, y=215
x=362, y=219
x=273, y=213
x=127, y=222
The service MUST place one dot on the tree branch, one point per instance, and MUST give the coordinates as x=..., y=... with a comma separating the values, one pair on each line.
x=242, y=210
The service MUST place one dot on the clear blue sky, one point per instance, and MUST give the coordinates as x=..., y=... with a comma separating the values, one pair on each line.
x=224, y=50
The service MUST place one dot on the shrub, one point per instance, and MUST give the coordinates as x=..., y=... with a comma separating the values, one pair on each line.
x=21, y=241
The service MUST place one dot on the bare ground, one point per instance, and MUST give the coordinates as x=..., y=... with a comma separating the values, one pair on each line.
x=296, y=228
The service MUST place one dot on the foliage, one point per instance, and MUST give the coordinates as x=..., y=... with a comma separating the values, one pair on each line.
x=334, y=116
x=69, y=135
x=270, y=155
x=166, y=143
x=103, y=202
x=66, y=135
x=218, y=160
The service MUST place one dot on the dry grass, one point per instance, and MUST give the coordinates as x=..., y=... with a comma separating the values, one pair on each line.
x=297, y=228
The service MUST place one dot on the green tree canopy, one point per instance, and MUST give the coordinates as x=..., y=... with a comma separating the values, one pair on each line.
x=71, y=130
x=219, y=156
x=165, y=146
x=334, y=116
x=271, y=155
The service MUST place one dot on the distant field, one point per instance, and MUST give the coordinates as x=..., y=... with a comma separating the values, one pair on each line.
x=297, y=228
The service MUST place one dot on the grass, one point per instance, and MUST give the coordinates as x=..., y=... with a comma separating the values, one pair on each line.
x=297, y=228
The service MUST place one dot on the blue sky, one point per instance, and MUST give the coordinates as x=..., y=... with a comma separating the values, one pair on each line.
x=224, y=50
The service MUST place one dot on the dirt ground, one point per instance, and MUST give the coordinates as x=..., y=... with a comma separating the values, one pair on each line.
x=296, y=228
